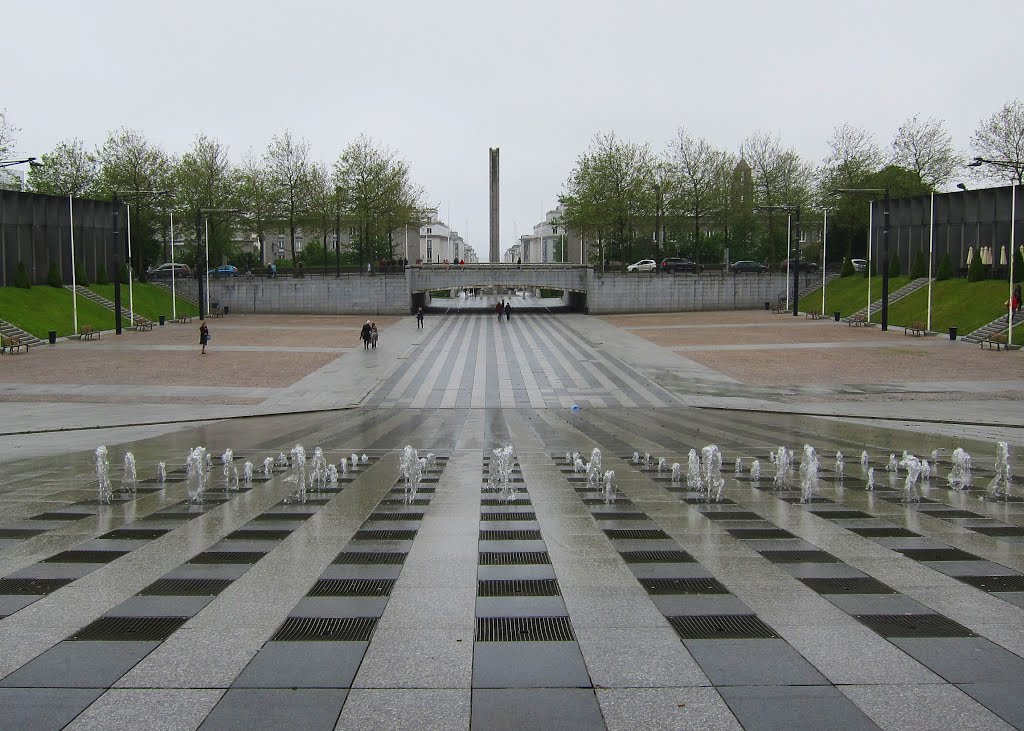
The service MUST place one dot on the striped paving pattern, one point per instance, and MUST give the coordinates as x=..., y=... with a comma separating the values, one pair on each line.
x=479, y=361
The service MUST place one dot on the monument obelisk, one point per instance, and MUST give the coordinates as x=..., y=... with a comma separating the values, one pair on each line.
x=495, y=254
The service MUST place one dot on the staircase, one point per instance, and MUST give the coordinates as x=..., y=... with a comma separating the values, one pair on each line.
x=104, y=302
x=899, y=294
x=182, y=289
x=817, y=286
x=995, y=327
x=8, y=330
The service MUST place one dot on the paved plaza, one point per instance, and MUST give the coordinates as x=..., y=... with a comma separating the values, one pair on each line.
x=568, y=607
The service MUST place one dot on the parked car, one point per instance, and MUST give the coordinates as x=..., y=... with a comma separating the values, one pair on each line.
x=224, y=270
x=164, y=271
x=859, y=265
x=744, y=265
x=805, y=265
x=679, y=264
x=644, y=265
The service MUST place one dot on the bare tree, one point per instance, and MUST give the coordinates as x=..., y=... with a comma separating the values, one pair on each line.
x=925, y=147
x=699, y=175
x=8, y=135
x=69, y=169
x=1001, y=138
x=287, y=159
x=853, y=155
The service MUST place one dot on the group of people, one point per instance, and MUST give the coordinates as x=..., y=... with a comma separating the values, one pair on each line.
x=503, y=308
x=368, y=335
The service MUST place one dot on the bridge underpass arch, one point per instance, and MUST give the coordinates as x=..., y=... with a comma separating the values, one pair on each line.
x=477, y=287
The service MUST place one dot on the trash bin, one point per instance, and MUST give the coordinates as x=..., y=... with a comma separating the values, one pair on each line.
x=162, y=320
x=952, y=333
x=835, y=315
x=226, y=309
x=53, y=337
x=767, y=306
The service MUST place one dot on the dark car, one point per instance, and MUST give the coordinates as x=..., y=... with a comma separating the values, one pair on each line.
x=678, y=264
x=805, y=265
x=740, y=267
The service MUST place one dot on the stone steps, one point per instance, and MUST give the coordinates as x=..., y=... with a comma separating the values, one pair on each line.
x=104, y=302
x=899, y=294
x=13, y=331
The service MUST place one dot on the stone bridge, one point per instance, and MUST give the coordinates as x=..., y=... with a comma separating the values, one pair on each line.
x=568, y=277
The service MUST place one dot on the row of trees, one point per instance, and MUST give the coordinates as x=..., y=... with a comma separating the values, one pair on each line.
x=367, y=193
x=696, y=200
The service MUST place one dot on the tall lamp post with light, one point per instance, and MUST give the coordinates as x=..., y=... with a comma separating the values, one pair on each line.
x=886, y=206
x=1018, y=169
x=205, y=214
x=792, y=260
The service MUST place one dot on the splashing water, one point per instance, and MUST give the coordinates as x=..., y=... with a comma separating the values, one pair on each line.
x=839, y=467
x=693, y=481
x=738, y=466
x=609, y=486
x=809, y=480
x=106, y=490
x=568, y=458
x=711, y=471
x=935, y=456
x=227, y=462
x=364, y=459
x=318, y=470
x=677, y=472
x=161, y=472
x=594, y=471
x=647, y=459
x=662, y=465
x=499, y=474
x=577, y=464
x=865, y=462
x=407, y=463
x=196, y=475
x=960, y=475
x=783, y=462
x=247, y=473
x=282, y=460
x=871, y=485
x=926, y=470
x=299, y=472
x=999, y=487
x=343, y=466
x=894, y=465
x=234, y=478
x=755, y=470
x=354, y=459
x=636, y=458
x=913, y=467
x=129, y=479
x=209, y=462
x=332, y=474
x=268, y=467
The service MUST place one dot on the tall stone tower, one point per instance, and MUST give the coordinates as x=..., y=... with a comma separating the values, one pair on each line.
x=495, y=254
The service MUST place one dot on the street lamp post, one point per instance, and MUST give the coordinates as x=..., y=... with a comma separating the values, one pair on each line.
x=116, y=200
x=792, y=259
x=204, y=213
x=885, y=242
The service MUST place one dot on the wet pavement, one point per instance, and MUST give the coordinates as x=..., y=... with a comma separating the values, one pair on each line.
x=565, y=607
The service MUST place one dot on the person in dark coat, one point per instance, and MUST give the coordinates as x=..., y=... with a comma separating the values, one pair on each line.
x=419, y=318
x=204, y=335
x=508, y=311
x=364, y=335
x=499, y=308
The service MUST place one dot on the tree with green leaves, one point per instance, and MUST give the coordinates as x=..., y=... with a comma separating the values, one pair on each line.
x=21, y=277
x=975, y=270
x=253, y=194
x=945, y=268
x=698, y=175
x=924, y=146
x=848, y=269
x=781, y=178
x=920, y=266
x=895, y=265
x=53, y=276
x=1001, y=137
x=202, y=180
x=287, y=161
x=69, y=169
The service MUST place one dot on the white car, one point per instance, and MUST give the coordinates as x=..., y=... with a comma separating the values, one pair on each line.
x=164, y=271
x=644, y=265
x=859, y=264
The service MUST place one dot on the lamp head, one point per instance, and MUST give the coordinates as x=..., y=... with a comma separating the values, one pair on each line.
x=977, y=163
x=961, y=186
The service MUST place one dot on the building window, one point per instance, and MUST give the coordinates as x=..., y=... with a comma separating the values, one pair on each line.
x=430, y=251
x=429, y=230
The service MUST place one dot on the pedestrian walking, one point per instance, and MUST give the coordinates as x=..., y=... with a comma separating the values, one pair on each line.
x=499, y=308
x=204, y=335
x=1015, y=300
x=419, y=318
x=364, y=335
x=373, y=335
x=508, y=311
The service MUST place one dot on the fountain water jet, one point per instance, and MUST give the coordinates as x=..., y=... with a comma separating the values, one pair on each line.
x=960, y=475
x=809, y=480
x=106, y=490
x=161, y=472
x=999, y=487
x=196, y=474
x=913, y=467
x=693, y=481
x=755, y=470
x=711, y=471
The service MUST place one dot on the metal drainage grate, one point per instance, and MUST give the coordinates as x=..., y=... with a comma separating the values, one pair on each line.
x=514, y=558
x=517, y=587
x=799, y=557
x=401, y=490
x=736, y=515
x=999, y=531
x=841, y=514
x=20, y=532
x=705, y=501
x=257, y=534
x=521, y=499
x=524, y=629
x=510, y=535
x=950, y=514
x=606, y=501
x=85, y=557
x=683, y=586
x=169, y=516
x=619, y=516
x=401, y=501
x=325, y=629
x=61, y=516
x=395, y=516
x=639, y=534
x=283, y=516
x=508, y=516
x=384, y=535
x=186, y=587
x=913, y=625
x=938, y=554
x=884, y=532
x=995, y=583
x=130, y=629
x=380, y=558
x=721, y=627
x=352, y=587
x=31, y=586
x=798, y=500
x=238, y=557
x=849, y=585
x=748, y=534
x=657, y=557
x=135, y=533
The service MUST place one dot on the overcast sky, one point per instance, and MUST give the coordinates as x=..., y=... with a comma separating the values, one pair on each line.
x=442, y=81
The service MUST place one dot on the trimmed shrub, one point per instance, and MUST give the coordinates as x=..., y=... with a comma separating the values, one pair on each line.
x=976, y=271
x=920, y=266
x=945, y=270
x=81, y=278
x=101, y=274
x=895, y=265
x=53, y=277
x=847, y=270
x=21, y=277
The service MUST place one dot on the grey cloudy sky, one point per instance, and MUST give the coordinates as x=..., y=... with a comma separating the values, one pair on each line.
x=440, y=82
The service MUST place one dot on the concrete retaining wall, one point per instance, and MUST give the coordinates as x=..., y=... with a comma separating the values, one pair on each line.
x=350, y=294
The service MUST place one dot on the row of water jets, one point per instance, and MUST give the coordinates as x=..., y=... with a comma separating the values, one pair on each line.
x=199, y=468
x=598, y=478
x=704, y=473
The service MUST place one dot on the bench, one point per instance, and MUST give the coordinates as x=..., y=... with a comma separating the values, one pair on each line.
x=12, y=343
x=88, y=333
x=857, y=321
x=143, y=325
x=995, y=342
x=217, y=311
x=780, y=306
x=182, y=319
x=813, y=315
x=915, y=329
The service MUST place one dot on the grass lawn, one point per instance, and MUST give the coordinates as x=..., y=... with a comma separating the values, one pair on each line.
x=955, y=303
x=42, y=308
x=849, y=294
x=149, y=300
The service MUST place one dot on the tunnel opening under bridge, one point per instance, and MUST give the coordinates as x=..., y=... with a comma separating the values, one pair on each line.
x=481, y=300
